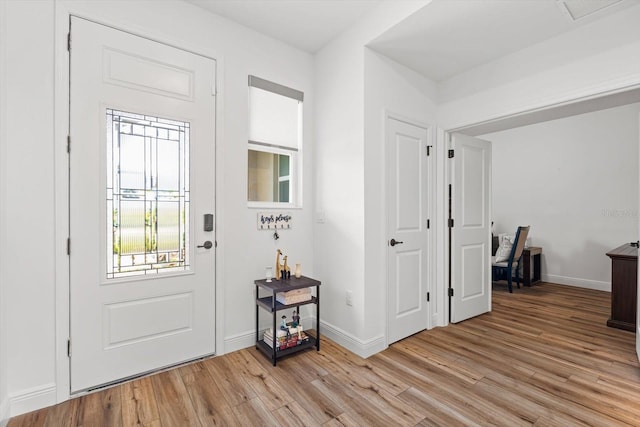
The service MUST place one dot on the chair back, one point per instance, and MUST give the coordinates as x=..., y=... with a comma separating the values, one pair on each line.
x=518, y=244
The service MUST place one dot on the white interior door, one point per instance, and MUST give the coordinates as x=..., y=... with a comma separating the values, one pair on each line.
x=142, y=134
x=407, y=257
x=471, y=233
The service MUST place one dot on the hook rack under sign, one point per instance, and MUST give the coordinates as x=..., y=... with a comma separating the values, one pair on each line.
x=274, y=220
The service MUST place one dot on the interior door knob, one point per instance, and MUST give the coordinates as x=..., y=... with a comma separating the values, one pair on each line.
x=394, y=242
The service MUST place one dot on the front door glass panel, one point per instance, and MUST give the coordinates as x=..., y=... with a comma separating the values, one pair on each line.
x=147, y=194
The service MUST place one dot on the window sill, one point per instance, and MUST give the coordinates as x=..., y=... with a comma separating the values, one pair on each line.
x=272, y=205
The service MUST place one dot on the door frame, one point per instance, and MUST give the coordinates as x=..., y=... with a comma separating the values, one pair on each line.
x=63, y=12
x=591, y=99
x=434, y=308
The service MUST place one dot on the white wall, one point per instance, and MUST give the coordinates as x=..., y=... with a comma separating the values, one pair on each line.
x=575, y=181
x=340, y=178
x=30, y=290
x=28, y=202
x=597, y=58
x=4, y=394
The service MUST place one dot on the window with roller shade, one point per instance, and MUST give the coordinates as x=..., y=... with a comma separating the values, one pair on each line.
x=275, y=141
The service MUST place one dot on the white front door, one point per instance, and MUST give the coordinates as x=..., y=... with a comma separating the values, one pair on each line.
x=142, y=146
x=470, y=271
x=407, y=232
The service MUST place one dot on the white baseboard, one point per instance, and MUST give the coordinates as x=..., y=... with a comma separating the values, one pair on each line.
x=32, y=399
x=363, y=349
x=4, y=412
x=238, y=342
x=579, y=283
x=248, y=339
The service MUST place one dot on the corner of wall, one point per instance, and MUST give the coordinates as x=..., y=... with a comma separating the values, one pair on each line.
x=32, y=399
x=4, y=412
x=361, y=348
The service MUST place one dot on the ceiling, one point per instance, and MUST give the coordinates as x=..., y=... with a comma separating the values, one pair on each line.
x=306, y=24
x=444, y=38
x=448, y=37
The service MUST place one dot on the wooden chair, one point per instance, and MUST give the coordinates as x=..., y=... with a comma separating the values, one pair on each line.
x=502, y=270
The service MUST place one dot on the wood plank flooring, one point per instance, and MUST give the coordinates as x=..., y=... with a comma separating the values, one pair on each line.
x=544, y=356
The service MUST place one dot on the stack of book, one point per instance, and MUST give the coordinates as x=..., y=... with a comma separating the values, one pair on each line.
x=295, y=296
x=284, y=340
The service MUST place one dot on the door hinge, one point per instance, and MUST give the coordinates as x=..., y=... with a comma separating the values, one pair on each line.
x=69, y=41
x=429, y=150
x=428, y=223
x=450, y=222
x=451, y=154
x=68, y=246
x=68, y=143
x=428, y=296
x=69, y=347
x=450, y=292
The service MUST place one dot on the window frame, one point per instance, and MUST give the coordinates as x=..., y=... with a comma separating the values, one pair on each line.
x=294, y=153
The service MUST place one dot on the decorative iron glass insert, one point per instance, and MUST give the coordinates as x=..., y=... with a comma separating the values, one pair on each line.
x=147, y=194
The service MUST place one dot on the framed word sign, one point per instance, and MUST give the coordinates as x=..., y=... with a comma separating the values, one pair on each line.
x=274, y=220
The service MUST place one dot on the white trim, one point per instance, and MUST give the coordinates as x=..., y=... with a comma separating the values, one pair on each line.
x=4, y=412
x=442, y=214
x=638, y=296
x=362, y=348
x=32, y=399
x=4, y=401
x=591, y=93
x=577, y=282
x=239, y=341
x=63, y=10
x=248, y=338
x=61, y=200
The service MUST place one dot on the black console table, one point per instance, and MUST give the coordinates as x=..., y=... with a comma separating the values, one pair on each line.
x=270, y=304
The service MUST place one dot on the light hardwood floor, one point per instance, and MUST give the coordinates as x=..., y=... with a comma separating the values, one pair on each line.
x=543, y=356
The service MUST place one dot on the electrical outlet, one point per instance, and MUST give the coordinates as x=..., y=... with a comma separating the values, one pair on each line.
x=349, y=299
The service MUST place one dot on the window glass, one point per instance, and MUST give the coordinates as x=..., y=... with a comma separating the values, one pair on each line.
x=267, y=172
x=147, y=195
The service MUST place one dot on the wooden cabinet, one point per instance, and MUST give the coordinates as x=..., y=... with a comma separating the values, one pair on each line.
x=271, y=304
x=624, y=287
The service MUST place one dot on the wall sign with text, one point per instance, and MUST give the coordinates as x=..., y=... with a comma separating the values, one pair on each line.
x=274, y=220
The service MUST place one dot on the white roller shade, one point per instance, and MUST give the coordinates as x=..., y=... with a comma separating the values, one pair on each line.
x=273, y=119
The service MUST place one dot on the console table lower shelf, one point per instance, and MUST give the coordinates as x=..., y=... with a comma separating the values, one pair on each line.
x=279, y=290
x=268, y=351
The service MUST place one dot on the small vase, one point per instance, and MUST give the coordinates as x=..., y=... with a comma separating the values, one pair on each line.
x=298, y=271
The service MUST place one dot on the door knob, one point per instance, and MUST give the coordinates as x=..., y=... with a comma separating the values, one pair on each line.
x=394, y=242
x=206, y=245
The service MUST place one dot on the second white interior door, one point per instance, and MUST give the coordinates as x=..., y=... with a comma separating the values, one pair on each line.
x=407, y=232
